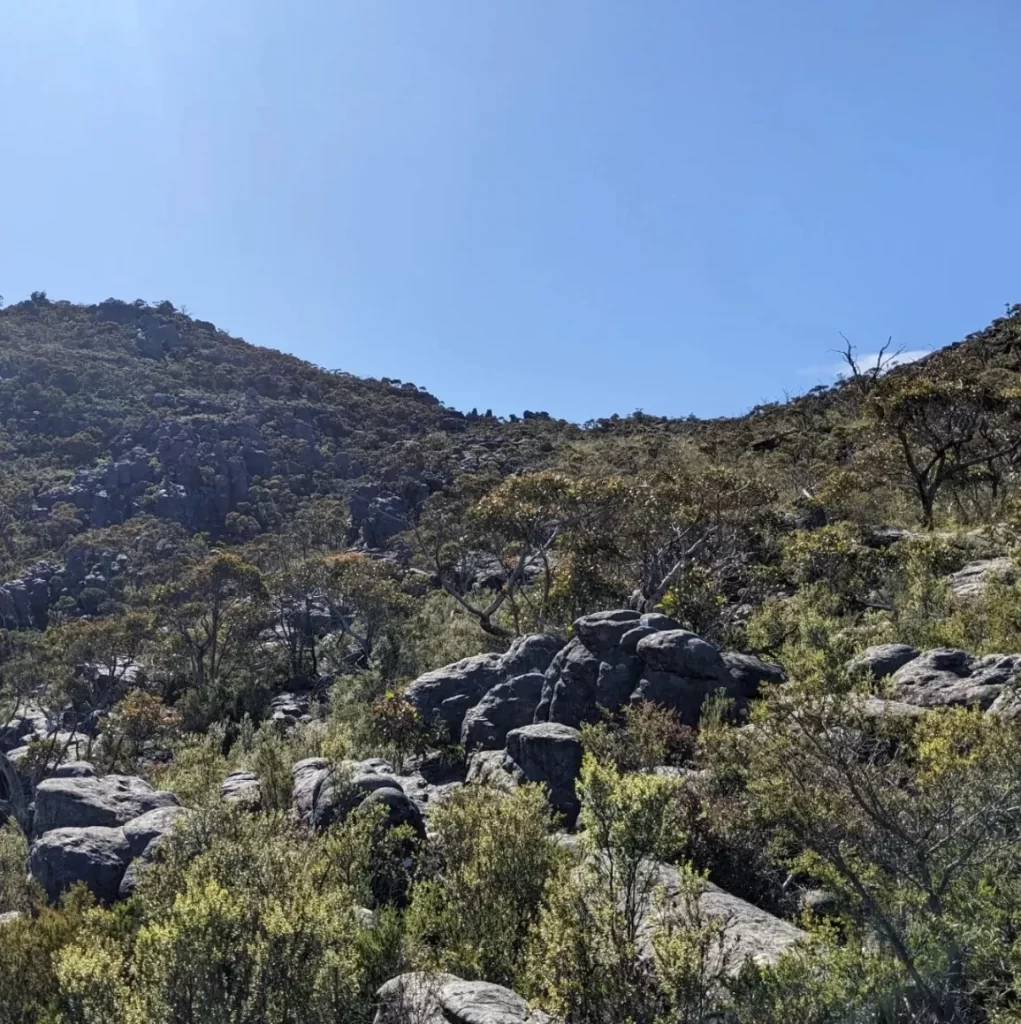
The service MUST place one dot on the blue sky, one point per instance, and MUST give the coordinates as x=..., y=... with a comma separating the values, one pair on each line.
x=571, y=205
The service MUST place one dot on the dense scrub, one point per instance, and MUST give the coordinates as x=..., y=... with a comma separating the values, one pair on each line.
x=224, y=563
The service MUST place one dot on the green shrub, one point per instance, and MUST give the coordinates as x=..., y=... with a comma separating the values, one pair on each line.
x=493, y=858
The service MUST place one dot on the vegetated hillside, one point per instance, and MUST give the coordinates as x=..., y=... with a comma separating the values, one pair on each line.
x=320, y=701
x=125, y=408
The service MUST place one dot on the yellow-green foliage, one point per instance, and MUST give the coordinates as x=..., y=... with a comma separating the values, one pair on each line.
x=585, y=960
x=16, y=893
x=246, y=922
x=495, y=857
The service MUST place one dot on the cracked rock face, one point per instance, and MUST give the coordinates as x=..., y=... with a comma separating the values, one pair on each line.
x=622, y=657
x=101, y=857
x=447, y=694
x=419, y=998
x=81, y=802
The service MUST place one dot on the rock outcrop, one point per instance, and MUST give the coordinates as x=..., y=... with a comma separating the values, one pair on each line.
x=96, y=856
x=419, y=998
x=943, y=677
x=550, y=754
x=620, y=657
x=445, y=695
x=97, y=831
x=12, y=793
x=243, y=788
x=973, y=580
x=324, y=794
x=614, y=658
x=83, y=802
x=750, y=933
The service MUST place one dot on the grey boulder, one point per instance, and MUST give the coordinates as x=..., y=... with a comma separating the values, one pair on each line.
x=242, y=788
x=420, y=998
x=83, y=802
x=749, y=934
x=12, y=792
x=683, y=654
x=882, y=660
x=143, y=831
x=750, y=673
x=950, y=678
x=445, y=695
x=96, y=856
x=506, y=706
x=602, y=631
x=551, y=754
x=973, y=580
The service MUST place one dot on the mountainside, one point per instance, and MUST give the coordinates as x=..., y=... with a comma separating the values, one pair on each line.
x=322, y=701
x=116, y=410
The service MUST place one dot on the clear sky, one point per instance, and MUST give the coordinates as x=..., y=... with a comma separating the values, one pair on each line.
x=573, y=205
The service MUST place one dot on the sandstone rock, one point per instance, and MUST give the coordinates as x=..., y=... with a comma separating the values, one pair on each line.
x=444, y=999
x=97, y=856
x=144, y=830
x=242, y=788
x=946, y=678
x=399, y=807
x=532, y=653
x=12, y=793
x=883, y=659
x=750, y=933
x=446, y=694
x=603, y=631
x=83, y=802
x=569, y=690
x=307, y=776
x=972, y=581
x=549, y=753
x=682, y=654
x=750, y=673
x=506, y=706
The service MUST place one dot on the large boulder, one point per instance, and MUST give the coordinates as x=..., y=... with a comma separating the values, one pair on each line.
x=12, y=793
x=882, y=660
x=620, y=657
x=506, y=706
x=750, y=933
x=96, y=856
x=683, y=695
x=973, y=580
x=25, y=724
x=549, y=753
x=306, y=777
x=601, y=632
x=398, y=808
x=83, y=802
x=143, y=831
x=445, y=695
x=569, y=689
x=242, y=788
x=681, y=653
x=750, y=674
x=945, y=677
x=419, y=998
